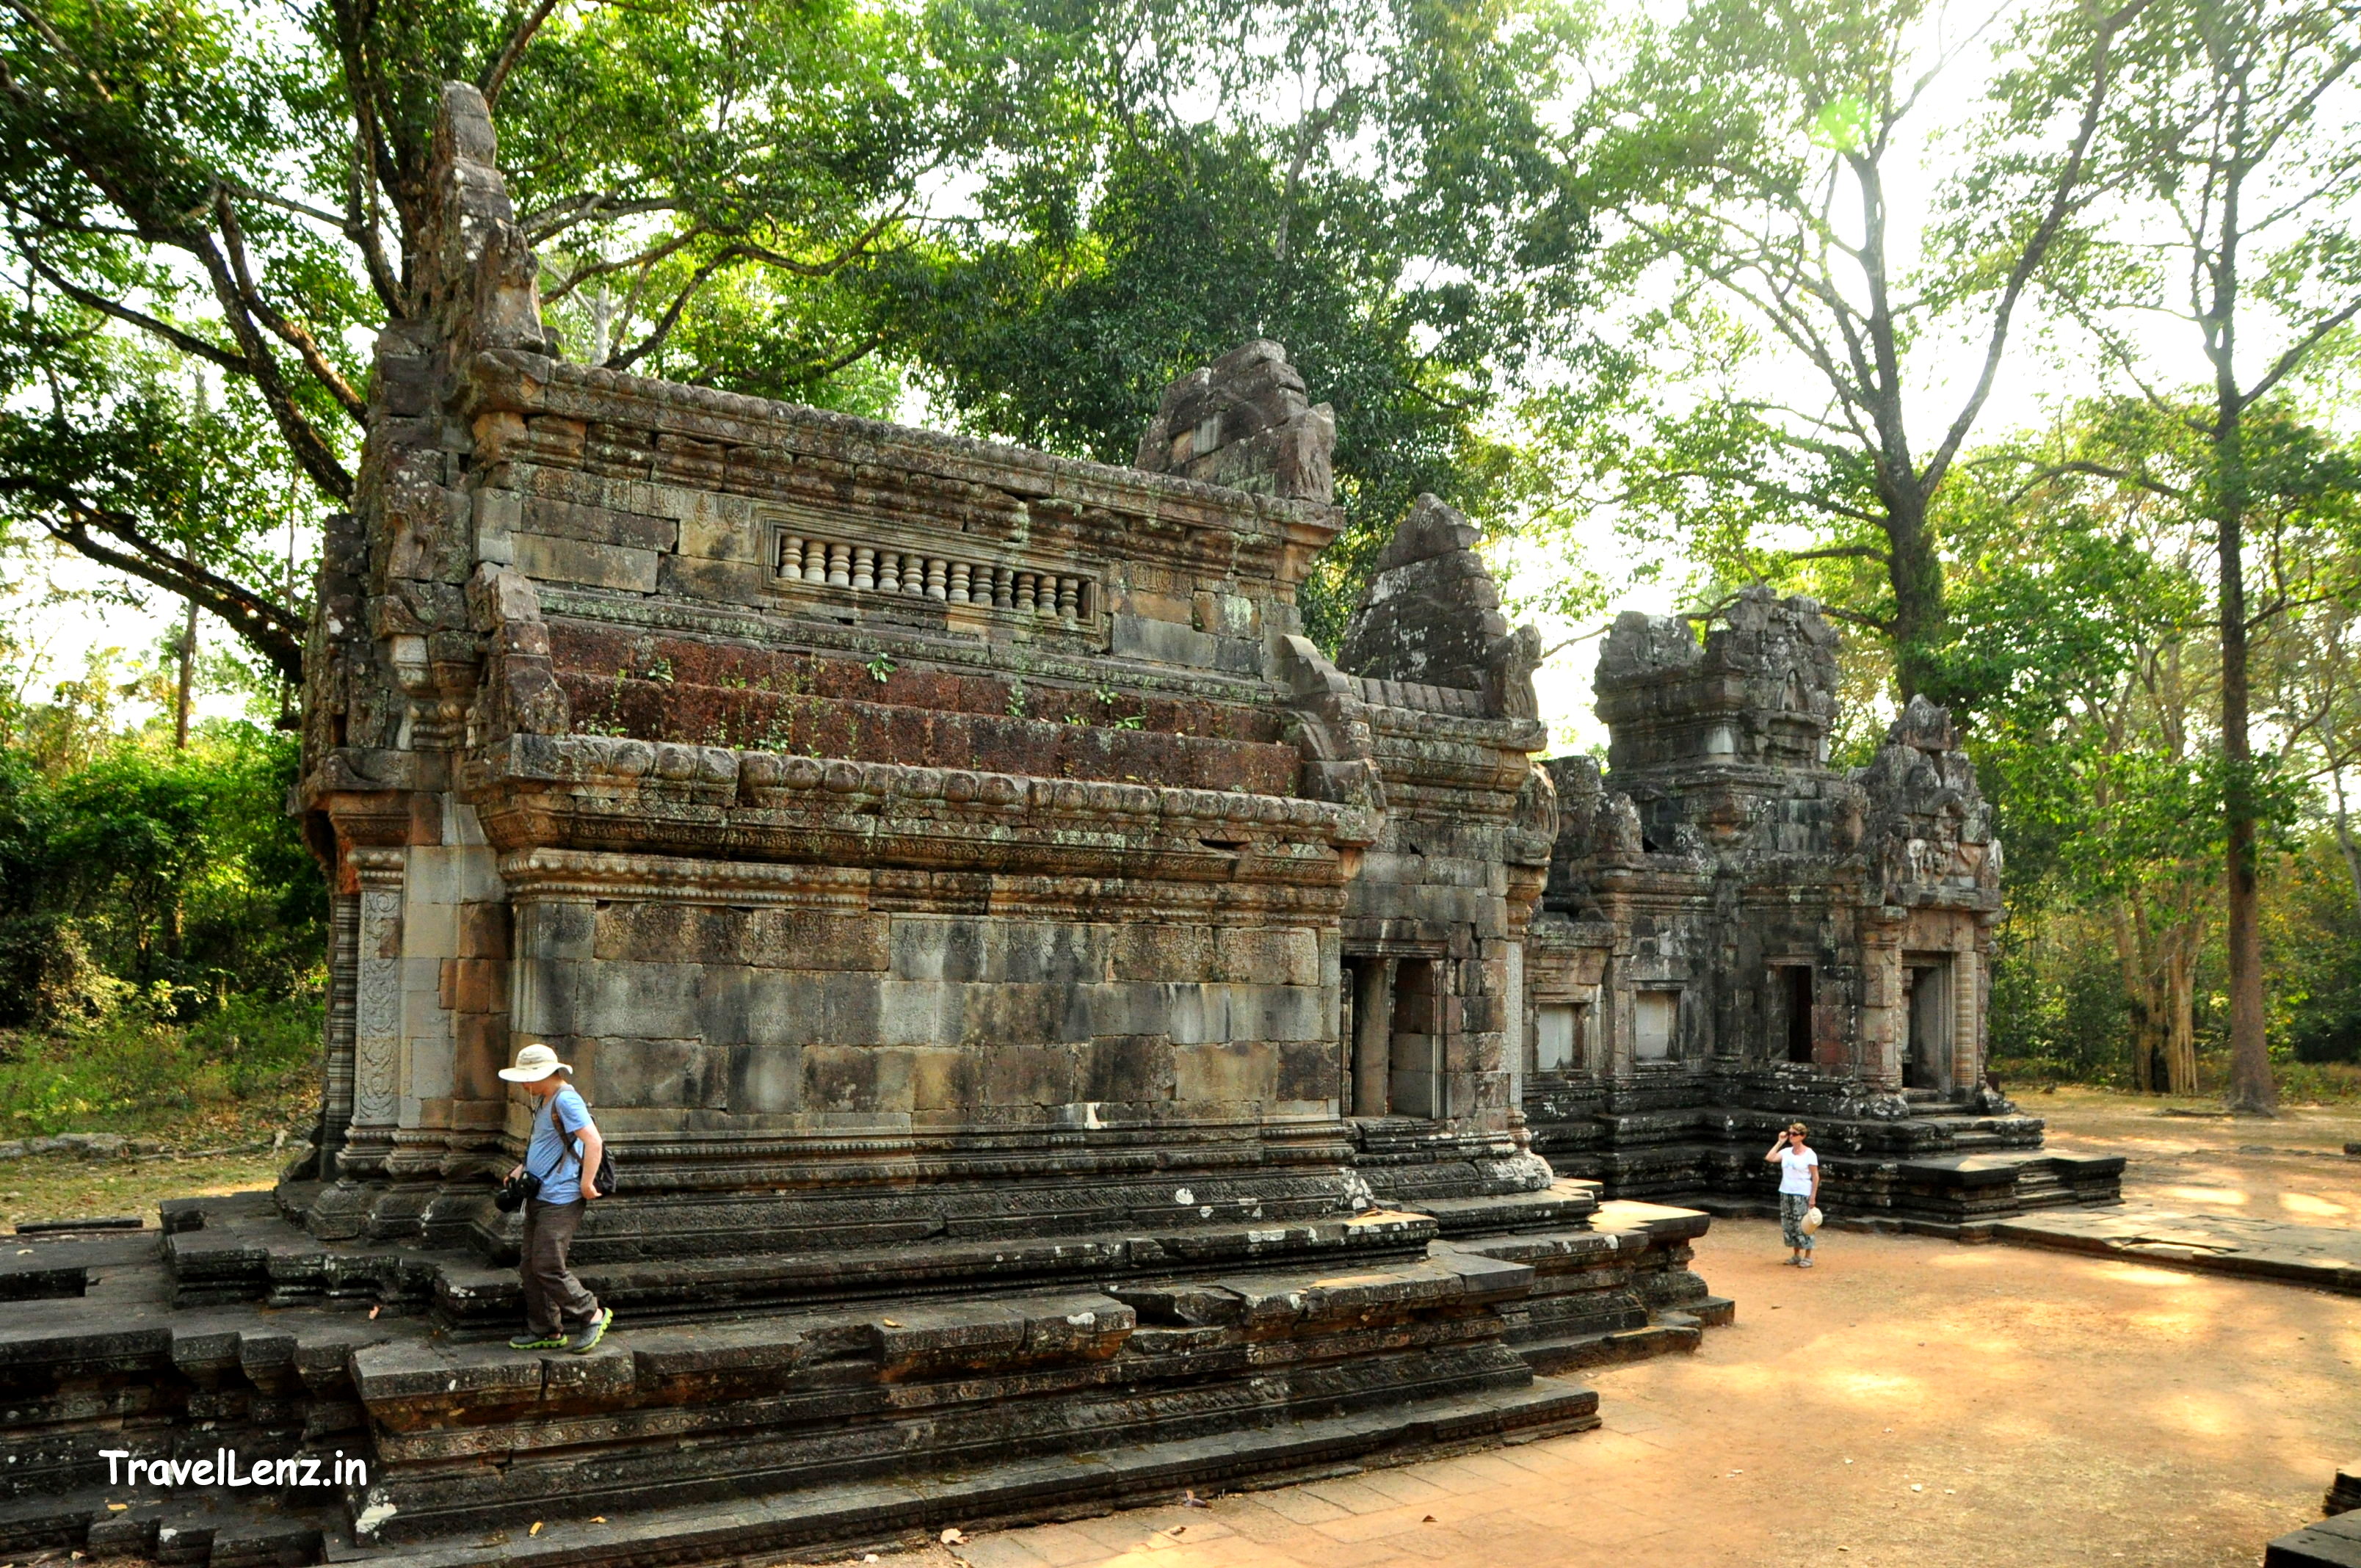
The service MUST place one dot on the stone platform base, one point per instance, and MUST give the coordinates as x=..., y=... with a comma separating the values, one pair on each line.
x=2324, y=1259
x=1943, y=1168
x=2332, y=1543
x=2336, y=1543
x=1104, y=1371
x=1961, y=1197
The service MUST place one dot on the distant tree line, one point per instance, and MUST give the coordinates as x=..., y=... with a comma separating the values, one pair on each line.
x=139, y=875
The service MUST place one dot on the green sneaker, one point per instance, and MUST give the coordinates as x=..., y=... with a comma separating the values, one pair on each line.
x=529, y=1340
x=587, y=1339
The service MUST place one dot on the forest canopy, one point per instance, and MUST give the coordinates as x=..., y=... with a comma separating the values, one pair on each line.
x=2020, y=334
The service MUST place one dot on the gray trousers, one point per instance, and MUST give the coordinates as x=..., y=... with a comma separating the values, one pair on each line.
x=553, y=1296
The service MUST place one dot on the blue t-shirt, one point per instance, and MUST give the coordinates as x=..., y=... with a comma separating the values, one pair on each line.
x=558, y=1163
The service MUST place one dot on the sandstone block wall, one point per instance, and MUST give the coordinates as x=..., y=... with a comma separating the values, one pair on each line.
x=855, y=805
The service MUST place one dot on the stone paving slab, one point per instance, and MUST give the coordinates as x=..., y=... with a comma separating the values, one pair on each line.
x=2332, y=1543
x=2324, y=1257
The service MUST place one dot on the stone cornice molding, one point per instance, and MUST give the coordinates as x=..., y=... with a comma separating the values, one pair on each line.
x=715, y=777
x=527, y=385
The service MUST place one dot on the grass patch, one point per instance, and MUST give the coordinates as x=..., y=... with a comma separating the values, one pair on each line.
x=244, y=1070
x=66, y=1187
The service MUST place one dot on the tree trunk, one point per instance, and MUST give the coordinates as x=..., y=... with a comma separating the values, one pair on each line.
x=2146, y=1039
x=188, y=679
x=1916, y=572
x=2251, y=1090
x=2180, y=1007
x=2344, y=840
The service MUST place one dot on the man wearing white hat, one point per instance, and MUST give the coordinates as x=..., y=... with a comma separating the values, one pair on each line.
x=565, y=1154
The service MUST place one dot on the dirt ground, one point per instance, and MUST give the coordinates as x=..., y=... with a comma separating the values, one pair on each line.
x=68, y=1187
x=2289, y=1168
x=1908, y=1402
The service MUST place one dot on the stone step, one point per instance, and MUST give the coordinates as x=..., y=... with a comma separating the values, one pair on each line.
x=472, y=1435
x=2344, y=1492
x=2331, y=1543
x=208, y=1530
x=878, y=1511
x=1563, y=1205
x=1670, y=1331
x=238, y=1250
x=1373, y=1339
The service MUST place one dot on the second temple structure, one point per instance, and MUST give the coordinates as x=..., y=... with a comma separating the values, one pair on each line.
x=1066, y=1037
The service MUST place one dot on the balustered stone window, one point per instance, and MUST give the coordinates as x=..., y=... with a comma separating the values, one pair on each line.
x=883, y=573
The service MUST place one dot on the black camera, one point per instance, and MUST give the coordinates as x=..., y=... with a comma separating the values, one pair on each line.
x=515, y=1191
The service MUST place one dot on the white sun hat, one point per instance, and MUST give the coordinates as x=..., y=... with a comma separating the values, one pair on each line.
x=533, y=1064
x=1811, y=1216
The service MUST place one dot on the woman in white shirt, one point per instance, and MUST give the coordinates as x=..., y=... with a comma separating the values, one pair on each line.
x=1799, y=1189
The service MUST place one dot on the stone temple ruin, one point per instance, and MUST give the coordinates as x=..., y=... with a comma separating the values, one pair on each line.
x=1066, y=1039
x=1733, y=934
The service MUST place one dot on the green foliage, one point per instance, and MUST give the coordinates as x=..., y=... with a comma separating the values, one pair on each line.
x=212, y=208
x=2059, y=1008
x=137, y=1066
x=1382, y=195
x=163, y=928
x=1746, y=173
x=173, y=877
x=2312, y=934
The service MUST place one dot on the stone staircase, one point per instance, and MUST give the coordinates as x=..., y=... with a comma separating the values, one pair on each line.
x=725, y=1417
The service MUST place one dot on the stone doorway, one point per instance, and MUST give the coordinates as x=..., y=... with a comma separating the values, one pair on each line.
x=1926, y=1047
x=1415, y=1085
x=1791, y=996
x=1392, y=1019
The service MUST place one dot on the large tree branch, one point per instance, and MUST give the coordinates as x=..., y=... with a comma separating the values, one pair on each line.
x=2045, y=472
x=285, y=204
x=671, y=317
x=743, y=251
x=544, y=224
x=2288, y=363
x=1842, y=552
x=2037, y=247
x=365, y=227
x=844, y=257
x=496, y=75
x=1769, y=488
x=266, y=626
x=1778, y=311
x=312, y=452
x=645, y=259
x=188, y=343
x=289, y=332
